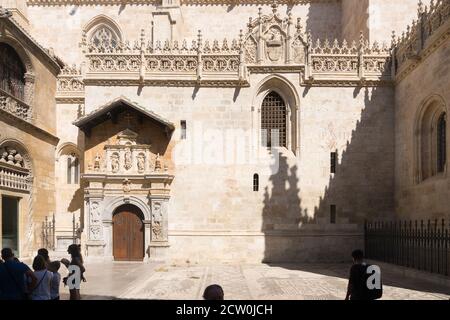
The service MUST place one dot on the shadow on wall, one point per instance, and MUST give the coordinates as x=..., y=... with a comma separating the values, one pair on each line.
x=363, y=185
x=362, y=188
x=317, y=21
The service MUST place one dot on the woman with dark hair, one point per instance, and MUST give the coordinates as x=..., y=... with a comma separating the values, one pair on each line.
x=44, y=278
x=76, y=260
x=44, y=253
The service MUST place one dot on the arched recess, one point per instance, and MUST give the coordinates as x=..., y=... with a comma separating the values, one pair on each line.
x=284, y=88
x=68, y=166
x=21, y=149
x=29, y=74
x=101, y=25
x=111, y=205
x=426, y=146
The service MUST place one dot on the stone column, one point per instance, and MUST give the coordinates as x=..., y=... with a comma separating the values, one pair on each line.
x=147, y=238
x=159, y=227
x=95, y=232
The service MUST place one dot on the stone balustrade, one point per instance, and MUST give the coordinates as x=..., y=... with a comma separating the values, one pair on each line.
x=14, y=178
x=14, y=106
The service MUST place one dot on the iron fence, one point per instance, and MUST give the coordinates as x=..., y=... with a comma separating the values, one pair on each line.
x=76, y=232
x=48, y=233
x=422, y=245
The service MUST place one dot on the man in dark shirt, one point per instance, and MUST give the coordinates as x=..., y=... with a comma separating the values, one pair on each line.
x=357, y=286
x=13, y=277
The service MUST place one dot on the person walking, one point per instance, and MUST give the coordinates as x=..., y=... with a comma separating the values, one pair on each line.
x=42, y=290
x=12, y=275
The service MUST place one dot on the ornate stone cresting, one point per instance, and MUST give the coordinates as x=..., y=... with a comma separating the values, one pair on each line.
x=164, y=2
x=330, y=62
x=422, y=37
x=174, y=62
x=271, y=39
x=70, y=86
x=15, y=106
x=272, y=43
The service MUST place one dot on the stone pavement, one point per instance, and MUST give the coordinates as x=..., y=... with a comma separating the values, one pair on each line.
x=118, y=280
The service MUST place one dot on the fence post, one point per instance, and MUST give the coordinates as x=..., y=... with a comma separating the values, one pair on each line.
x=53, y=232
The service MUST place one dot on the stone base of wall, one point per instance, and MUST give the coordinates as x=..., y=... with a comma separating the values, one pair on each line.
x=267, y=248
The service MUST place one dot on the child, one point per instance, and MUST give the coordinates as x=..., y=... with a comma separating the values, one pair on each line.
x=54, y=286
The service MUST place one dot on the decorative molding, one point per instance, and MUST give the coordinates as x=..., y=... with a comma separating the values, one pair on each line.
x=14, y=106
x=70, y=85
x=164, y=2
x=271, y=44
x=422, y=37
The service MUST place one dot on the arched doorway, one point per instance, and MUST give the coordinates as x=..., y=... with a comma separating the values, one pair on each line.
x=128, y=233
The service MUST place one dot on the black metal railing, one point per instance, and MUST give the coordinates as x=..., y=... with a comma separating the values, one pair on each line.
x=422, y=245
x=48, y=233
x=76, y=233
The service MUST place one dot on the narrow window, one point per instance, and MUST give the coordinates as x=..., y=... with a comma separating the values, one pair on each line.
x=333, y=214
x=255, y=182
x=333, y=162
x=69, y=169
x=441, y=143
x=183, y=129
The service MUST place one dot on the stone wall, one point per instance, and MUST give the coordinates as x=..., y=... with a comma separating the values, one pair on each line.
x=429, y=198
x=214, y=200
x=355, y=18
x=41, y=150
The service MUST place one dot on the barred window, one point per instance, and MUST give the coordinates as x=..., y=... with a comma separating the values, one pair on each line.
x=273, y=120
x=12, y=72
x=441, y=143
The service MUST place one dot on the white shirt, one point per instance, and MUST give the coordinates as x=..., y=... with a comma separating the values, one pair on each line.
x=54, y=286
x=42, y=291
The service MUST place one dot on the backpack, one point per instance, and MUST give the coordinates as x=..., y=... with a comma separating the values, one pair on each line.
x=372, y=277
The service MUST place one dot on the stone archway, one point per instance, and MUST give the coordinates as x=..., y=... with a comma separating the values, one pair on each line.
x=128, y=233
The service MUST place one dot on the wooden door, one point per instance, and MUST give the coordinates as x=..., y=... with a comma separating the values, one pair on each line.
x=128, y=234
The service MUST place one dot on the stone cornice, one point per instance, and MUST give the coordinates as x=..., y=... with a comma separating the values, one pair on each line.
x=431, y=45
x=25, y=38
x=159, y=2
x=28, y=127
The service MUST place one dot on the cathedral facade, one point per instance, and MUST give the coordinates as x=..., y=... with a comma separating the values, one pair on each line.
x=199, y=130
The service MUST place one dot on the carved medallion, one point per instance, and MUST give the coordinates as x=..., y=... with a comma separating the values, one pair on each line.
x=274, y=44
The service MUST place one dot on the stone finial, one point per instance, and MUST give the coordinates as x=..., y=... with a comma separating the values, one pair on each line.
x=157, y=163
x=419, y=8
x=5, y=13
x=274, y=6
x=299, y=24
x=142, y=36
x=393, y=39
x=199, y=37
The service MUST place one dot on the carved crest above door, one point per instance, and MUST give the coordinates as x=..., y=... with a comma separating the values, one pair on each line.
x=271, y=39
